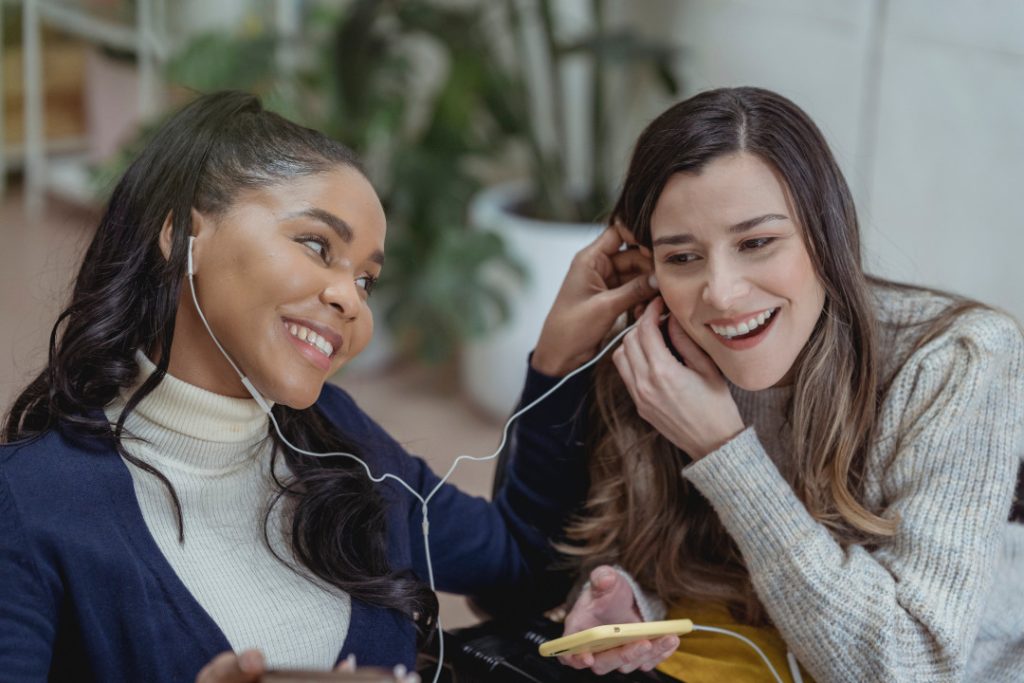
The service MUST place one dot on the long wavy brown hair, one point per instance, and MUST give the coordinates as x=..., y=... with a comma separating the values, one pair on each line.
x=640, y=513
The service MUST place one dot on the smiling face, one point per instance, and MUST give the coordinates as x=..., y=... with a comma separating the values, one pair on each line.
x=733, y=268
x=283, y=277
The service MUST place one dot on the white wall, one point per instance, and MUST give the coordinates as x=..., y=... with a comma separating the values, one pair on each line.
x=922, y=102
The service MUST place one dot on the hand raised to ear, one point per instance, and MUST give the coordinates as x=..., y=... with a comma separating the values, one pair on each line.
x=603, y=282
x=689, y=404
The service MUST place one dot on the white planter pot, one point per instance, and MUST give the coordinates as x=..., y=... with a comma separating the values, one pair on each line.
x=493, y=366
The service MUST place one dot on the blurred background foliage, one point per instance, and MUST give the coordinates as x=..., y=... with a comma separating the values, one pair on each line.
x=435, y=98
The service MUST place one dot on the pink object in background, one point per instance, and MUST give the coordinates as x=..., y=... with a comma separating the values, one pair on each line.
x=111, y=106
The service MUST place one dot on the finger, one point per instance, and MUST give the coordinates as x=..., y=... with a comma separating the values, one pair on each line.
x=608, y=243
x=632, y=262
x=633, y=291
x=661, y=649
x=696, y=358
x=625, y=371
x=602, y=581
x=650, y=338
x=348, y=665
x=623, y=266
x=577, y=661
x=627, y=236
x=639, y=363
x=619, y=657
x=228, y=667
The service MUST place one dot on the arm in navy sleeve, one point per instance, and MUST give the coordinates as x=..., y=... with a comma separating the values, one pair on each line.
x=505, y=547
x=28, y=609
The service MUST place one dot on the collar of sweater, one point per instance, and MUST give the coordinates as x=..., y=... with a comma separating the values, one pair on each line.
x=189, y=427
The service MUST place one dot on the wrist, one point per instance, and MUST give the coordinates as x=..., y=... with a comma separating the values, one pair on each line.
x=716, y=444
x=554, y=365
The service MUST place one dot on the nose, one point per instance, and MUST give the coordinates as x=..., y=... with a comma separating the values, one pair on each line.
x=725, y=285
x=342, y=294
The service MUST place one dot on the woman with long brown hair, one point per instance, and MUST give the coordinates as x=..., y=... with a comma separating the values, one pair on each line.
x=818, y=460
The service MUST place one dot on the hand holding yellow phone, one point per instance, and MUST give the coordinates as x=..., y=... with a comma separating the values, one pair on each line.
x=601, y=638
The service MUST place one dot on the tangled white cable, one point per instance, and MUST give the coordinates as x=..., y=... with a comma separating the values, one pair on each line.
x=425, y=500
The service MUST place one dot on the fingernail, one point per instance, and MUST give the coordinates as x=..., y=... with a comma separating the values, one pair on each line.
x=400, y=670
x=653, y=281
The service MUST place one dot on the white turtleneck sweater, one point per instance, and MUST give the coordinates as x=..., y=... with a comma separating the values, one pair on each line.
x=215, y=451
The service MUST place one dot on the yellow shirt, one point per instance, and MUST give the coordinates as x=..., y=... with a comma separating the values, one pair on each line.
x=717, y=658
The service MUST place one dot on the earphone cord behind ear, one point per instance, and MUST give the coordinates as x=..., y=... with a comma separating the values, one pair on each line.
x=424, y=501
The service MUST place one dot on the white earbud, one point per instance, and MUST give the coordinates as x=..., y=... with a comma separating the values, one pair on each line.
x=191, y=262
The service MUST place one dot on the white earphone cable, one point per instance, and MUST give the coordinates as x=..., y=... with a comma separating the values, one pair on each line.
x=424, y=501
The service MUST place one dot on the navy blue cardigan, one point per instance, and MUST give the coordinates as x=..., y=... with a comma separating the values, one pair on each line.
x=86, y=594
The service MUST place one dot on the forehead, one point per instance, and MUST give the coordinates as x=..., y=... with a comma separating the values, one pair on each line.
x=728, y=190
x=343, y=192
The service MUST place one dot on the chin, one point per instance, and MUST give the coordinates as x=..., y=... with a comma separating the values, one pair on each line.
x=294, y=396
x=754, y=381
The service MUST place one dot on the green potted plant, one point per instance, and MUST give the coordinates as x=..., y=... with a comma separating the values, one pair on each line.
x=547, y=217
x=352, y=72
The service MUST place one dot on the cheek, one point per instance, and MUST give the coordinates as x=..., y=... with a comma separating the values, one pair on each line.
x=680, y=302
x=362, y=333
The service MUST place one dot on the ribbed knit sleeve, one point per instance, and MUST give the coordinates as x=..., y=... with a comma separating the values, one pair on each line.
x=945, y=465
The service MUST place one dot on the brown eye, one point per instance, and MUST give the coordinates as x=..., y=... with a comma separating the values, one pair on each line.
x=758, y=243
x=366, y=282
x=682, y=259
x=315, y=244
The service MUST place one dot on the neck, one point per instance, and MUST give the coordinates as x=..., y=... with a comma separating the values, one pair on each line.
x=195, y=358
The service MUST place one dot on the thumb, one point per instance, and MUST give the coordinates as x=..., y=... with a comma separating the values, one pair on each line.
x=603, y=581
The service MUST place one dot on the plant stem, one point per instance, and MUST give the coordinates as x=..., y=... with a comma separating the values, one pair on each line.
x=598, y=195
x=560, y=203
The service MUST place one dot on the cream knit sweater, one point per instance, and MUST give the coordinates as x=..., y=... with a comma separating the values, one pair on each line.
x=944, y=599
x=216, y=452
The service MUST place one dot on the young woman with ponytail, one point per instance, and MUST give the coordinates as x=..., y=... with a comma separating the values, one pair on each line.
x=153, y=525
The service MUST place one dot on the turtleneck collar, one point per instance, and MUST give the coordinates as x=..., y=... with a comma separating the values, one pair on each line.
x=191, y=427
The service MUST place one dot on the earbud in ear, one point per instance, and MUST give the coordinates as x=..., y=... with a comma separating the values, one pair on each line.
x=191, y=261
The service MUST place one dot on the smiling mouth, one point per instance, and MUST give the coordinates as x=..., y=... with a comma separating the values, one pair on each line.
x=753, y=327
x=314, y=340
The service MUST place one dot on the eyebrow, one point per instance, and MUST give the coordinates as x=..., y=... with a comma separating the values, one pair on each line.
x=741, y=227
x=337, y=224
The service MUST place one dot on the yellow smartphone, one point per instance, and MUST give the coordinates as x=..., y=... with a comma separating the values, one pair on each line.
x=606, y=637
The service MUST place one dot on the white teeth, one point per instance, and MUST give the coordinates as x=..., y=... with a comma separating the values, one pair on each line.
x=731, y=331
x=312, y=338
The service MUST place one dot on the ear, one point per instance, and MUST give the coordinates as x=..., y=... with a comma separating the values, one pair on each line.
x=165, y=236
x=167, y=230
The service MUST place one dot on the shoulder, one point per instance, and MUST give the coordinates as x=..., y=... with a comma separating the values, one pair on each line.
x=949, y=372
x=919, y=329
x=53, y=472
x=338, y=406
